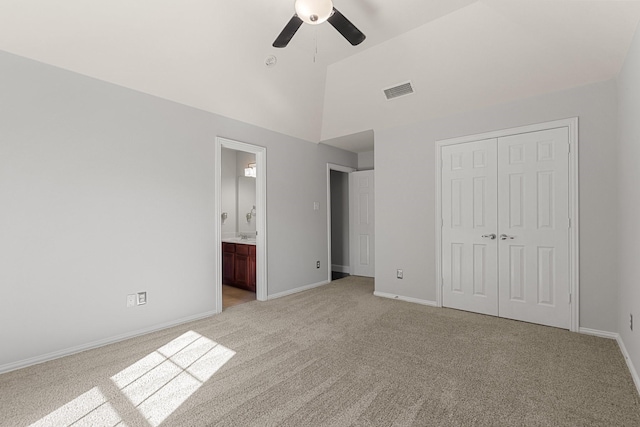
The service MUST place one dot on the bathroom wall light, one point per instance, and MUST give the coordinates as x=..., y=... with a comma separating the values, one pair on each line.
x=250, y=170
x=251, y=214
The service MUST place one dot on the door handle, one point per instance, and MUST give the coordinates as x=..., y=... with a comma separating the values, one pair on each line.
x=489, y=236
x=505, y=237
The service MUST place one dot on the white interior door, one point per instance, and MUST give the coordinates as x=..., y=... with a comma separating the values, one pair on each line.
x=362, y=224
x=469, y=227
x=533, y=192
x=516, y=188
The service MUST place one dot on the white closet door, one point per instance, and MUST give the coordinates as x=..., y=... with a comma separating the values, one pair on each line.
x=469, y=205
x=533, y=226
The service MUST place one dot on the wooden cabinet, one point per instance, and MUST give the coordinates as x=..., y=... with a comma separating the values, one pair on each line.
x=239, y=265
x=228, y=262
x=252, y=267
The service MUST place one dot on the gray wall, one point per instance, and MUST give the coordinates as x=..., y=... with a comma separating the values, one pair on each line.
x=228, y=186
x=629, y=214
x=405, y=194
x=106, y=191
x=339, y=218
x=365, y=160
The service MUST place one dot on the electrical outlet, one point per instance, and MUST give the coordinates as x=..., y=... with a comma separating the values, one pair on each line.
x=317, y=264
x=142, y=298
x=399, y=274
x=131, y=300
x=631, y=321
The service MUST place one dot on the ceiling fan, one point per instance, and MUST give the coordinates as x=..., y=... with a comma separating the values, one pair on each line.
x=315, y=12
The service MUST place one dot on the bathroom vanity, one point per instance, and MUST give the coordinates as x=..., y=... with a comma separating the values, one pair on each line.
x=239, y=265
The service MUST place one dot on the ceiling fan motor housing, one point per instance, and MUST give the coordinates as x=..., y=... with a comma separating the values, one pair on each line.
x=314, y=11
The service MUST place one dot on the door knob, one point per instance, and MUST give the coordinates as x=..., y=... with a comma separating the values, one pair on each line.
x=489, y=236
x=505, y=237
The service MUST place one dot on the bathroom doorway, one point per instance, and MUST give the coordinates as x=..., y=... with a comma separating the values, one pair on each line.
x=240, y=223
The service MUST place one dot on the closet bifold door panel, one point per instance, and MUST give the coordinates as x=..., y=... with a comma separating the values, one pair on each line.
x=533, y=227
x=469, y=223
x=505, y=226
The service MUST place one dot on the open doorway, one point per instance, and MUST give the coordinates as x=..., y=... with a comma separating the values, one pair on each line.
x=338, y=221
x=238, y=230
x=240, y=171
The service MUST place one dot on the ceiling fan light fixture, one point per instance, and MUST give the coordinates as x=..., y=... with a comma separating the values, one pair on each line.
x=314, y=12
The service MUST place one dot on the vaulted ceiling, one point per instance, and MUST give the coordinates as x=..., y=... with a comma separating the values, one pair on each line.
x=458, y=55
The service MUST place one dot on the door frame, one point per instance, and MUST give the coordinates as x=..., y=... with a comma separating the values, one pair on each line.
x=574, y=229
x=261, y=218
x=348, y=170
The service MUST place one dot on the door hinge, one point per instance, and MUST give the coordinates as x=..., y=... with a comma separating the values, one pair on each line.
x=569, y=222
x=569, y=297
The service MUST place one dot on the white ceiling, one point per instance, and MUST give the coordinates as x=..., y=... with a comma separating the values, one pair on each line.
x=459, y=54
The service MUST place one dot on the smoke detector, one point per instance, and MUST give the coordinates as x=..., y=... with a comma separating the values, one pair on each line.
x=270, y=61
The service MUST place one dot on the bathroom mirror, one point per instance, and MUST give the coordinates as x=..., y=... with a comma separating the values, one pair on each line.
x=246, y=205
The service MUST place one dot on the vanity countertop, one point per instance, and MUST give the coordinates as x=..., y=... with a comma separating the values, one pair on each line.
x=238, y=240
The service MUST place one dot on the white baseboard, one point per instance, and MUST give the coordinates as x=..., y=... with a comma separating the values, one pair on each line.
x=632, y=369
x=597, y=333
x=407, y=299
x=623, y=350
x=296, y=290
x=341, y=268
x=95, y=344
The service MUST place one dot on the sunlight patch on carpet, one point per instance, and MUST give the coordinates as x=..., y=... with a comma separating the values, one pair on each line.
x=159, y=383
x=156, y=385
x=90, y=408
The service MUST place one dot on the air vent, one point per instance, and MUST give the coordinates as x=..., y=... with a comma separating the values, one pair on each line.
x=398, y=90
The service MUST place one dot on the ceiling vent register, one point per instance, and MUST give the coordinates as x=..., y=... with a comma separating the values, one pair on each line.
x=398, y=91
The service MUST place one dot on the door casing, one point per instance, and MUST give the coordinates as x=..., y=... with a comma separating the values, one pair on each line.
x=574, y=247
x=261, y=217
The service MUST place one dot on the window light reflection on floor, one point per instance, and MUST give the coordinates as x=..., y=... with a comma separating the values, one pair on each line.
x=156, y=385
x=159, y=383
x=89, y=408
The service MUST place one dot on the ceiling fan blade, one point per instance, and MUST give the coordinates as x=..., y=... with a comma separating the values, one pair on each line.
x=346, y=28
x=287, y=33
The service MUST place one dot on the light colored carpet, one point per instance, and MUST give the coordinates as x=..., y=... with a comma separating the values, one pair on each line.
x=333, y=356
